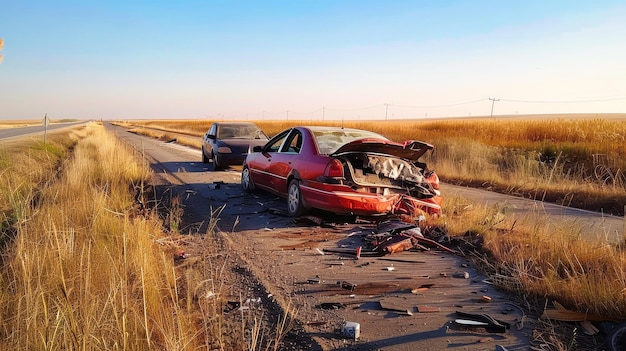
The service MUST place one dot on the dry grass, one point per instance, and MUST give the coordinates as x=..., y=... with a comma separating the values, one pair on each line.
x=85, y=268
x=541, y=262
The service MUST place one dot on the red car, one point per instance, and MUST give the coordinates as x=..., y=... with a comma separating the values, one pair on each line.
x=345, y=171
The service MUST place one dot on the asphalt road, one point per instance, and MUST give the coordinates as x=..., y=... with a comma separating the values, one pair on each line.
x=588, y=225
x=25, y=131
x=203, y=190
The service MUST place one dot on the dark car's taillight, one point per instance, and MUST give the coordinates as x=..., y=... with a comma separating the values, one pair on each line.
x=334, y=169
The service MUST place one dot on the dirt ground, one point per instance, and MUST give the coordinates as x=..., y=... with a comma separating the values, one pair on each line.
x=404, y=301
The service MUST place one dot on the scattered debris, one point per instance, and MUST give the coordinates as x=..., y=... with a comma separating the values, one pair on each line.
x=486, y=298
x=470, y=320
x=464, y=275
x=335, y=263
x=356, y=252
x=180, y=256
x=428, y=309
x=231, y=306
x=395, y=236
x=346, y=285
x=565, y=315
x=422, y=288
x=315, y=280
x=331, y=306
x=401, y=260
x=351, y=329
x=587, y=326
x=216, y=185
x=278, y=212
x=394, y=305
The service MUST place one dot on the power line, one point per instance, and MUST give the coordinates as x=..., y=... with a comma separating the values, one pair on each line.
x=447, y=105
x=353, y=109
x=563, y=102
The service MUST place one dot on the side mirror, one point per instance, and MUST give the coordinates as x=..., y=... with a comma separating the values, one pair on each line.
x=257, y=149
x=210, y=136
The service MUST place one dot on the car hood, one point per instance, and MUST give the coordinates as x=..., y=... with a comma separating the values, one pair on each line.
x=410, y=150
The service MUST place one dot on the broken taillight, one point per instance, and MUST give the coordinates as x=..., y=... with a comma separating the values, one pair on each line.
x=334, y=169
x=433, y=180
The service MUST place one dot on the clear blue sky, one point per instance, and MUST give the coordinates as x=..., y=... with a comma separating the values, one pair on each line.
x=310, y=59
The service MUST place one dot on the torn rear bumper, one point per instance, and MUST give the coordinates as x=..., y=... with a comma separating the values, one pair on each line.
x=342, y=200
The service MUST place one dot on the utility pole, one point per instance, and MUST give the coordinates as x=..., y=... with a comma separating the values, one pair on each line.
x=323, y=113
x=493, y=101
x=45, y=128
x=287, y=114
x=386, y=110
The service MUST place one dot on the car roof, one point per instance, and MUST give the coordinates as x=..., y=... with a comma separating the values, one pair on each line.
x=340, y=129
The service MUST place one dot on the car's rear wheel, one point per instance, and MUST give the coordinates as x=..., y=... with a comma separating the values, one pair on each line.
x=295, y=206
x=246, y=181
x=204, y=158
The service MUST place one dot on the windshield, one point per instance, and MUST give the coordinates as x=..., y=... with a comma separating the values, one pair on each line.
x=328, y=141
x=240, y=131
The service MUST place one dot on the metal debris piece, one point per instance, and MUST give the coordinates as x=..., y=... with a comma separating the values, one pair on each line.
x=347, y=285
x=278, y=212
x=331, y=305
x=428, y=309
x=492, y=325
x=356, y=252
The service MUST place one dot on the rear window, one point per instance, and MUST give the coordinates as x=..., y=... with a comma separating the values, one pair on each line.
x=328, y=141
x=240, y=131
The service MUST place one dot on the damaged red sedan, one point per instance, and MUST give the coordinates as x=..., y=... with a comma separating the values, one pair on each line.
x=345, y=171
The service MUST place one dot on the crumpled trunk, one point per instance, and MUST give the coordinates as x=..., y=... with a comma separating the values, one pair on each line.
x=384, y=174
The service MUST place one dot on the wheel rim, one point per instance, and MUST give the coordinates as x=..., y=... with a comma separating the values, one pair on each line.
x=245, y=178
x=293, y=200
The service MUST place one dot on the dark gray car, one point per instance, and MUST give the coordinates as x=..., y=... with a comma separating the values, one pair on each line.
x=227, y=143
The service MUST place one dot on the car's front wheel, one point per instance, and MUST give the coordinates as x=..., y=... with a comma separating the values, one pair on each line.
x=246, y=180
x=204, y=158
x=216, y=162
x=295, y=206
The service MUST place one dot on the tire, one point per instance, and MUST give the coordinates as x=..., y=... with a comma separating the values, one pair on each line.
x=204, y=158
x=216, y=162
x=295, y=207
x=246, y=180
x=616, y=338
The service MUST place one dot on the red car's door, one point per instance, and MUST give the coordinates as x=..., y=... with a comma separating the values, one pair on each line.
x=261, y=167
x=284, y=161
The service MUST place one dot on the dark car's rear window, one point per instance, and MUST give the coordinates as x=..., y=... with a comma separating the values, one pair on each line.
x=328, y=141
x=240, y=131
